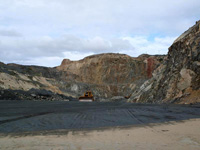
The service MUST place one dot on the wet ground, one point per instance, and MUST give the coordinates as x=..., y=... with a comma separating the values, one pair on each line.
x=28, y=116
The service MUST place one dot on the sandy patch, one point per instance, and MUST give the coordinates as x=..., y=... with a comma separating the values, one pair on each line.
x=182, y=135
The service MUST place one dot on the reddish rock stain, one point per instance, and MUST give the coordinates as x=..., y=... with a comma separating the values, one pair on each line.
x=150, y=67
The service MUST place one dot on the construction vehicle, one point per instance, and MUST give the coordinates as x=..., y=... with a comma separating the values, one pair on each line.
x=88, y=97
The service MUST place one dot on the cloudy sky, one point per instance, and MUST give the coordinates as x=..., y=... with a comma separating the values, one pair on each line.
x=43, y=32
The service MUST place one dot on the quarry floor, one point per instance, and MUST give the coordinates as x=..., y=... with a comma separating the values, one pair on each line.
x=61, y=125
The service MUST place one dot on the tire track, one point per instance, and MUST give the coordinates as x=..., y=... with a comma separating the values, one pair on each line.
x=82, y=121
x=24, y=117
x=141, y=122
x=133, y=116
x=75, y=120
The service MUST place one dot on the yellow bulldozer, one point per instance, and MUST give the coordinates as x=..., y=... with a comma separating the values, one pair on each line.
x=88, y=97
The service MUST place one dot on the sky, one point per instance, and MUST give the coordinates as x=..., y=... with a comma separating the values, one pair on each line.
x=44, y=32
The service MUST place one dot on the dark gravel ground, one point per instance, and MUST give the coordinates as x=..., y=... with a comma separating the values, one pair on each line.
x=29, y=116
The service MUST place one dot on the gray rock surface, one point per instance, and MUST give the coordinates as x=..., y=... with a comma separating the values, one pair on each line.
x=106, y=75
x=177, y=80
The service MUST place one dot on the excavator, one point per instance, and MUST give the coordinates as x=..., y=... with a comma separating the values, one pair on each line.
x=88, y=97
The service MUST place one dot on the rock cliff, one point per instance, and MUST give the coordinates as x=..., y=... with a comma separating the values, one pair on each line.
x=109, y=75
x=106, y=75
x=174, y=78
x=177, y=80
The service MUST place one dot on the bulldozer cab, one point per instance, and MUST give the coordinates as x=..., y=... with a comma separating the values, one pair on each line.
x=88, y=94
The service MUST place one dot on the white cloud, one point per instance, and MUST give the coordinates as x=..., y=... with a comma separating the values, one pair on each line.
x=100, y=17
x=34, y=29
x=76, y=55
x=48, y=51
x=40, y=61
x=28, y=50
x=142, y=45
x=10, y=33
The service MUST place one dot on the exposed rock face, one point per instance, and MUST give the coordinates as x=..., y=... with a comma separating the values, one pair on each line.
x=174, y=78
x=178, y=78
x=106, y=69
x=109, y=75
x=23, y=82
x=106, y=75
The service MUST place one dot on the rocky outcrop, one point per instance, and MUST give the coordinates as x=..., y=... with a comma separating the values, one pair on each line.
x=23, y=82
x=109, y=75
x=109, y=68
x=174, y=78
x=177, y=80
x=106, y=75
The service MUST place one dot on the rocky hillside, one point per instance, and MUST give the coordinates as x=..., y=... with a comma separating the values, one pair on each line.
x=30, y=82
x=177, y=80
x=174, y=78
x=107, y=75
